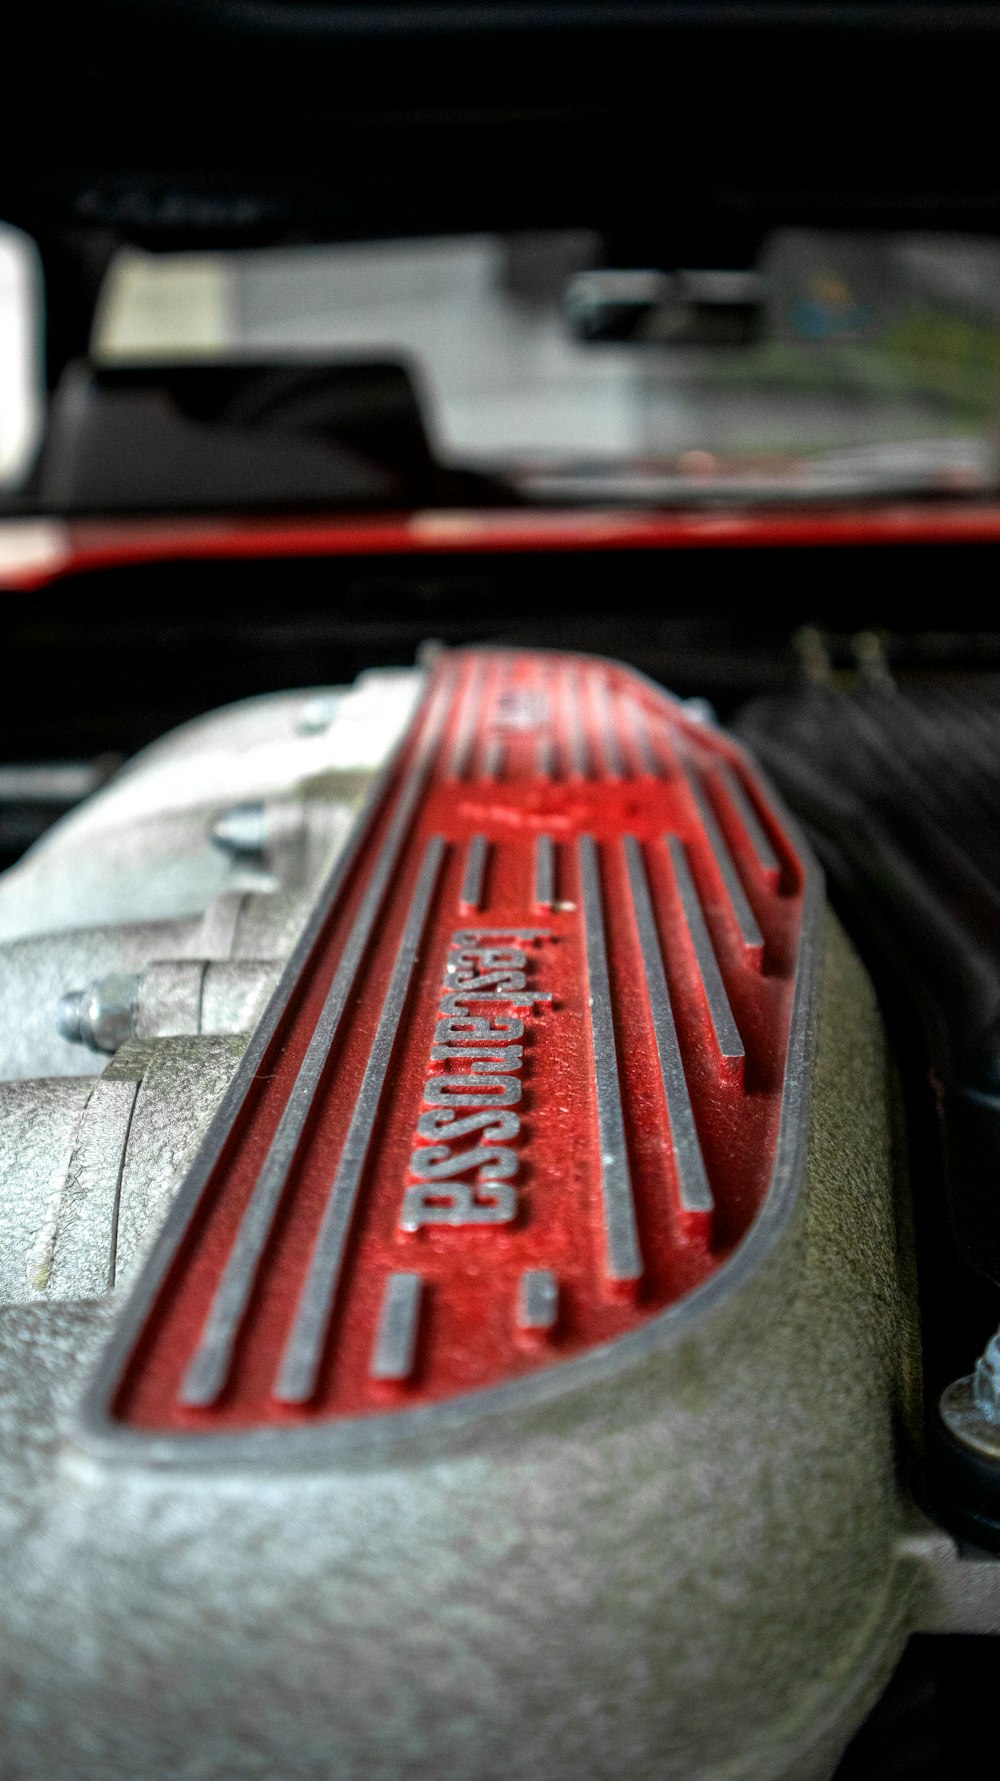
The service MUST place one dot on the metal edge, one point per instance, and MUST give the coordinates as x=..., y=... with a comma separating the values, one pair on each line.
x=130, y=1319
x=307, y=1340
x=100, y=1437
x=538, y=1301
x=747, y=925
x=728, y=1037
x=693, y=1185
x=211, y=1363
x=623, y=1254
x=759, y=839
x=395, y=1350
x=545, y=872
x=476, y=860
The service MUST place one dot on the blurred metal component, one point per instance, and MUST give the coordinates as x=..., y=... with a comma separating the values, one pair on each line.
x=971, y=1426
x=701, y=711
x=555, y=1555
x=318, y=715
x=538, y=1302
x=101, y=1016
x=986, y=1381
x=869, y=650
x=264, y=826
x=397, y=1331
x=970, y=1406
x=813, y=653
x=243, y=829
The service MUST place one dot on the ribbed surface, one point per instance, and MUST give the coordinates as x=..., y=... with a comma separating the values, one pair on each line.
x=527, y=1090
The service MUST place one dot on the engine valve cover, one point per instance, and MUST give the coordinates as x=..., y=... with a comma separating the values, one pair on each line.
x=453, y=1319
x=527, y=1085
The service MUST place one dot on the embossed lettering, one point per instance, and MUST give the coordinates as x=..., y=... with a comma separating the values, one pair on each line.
x=429, y=1203
x=472, y=1091
x=478, y=1098
x=476, y=1029
x=438, y=1163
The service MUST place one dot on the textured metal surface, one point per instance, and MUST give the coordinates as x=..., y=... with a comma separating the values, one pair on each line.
x=397, y=1330
x=673, y=1554
x=300, y=1365
x=39, y=1126
x=623, y=1256
x=91, y=1195
x=695, y=1188
x=569, y=1125
x=475, y=872
x=727, y=1033
x=749, y=930
x=539, y=1302
x=545, y=871
x=76, y=1211
x=210, y=1365
x=685, y=1570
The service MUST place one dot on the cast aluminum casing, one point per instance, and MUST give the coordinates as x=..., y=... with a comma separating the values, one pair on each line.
x=683, y=1551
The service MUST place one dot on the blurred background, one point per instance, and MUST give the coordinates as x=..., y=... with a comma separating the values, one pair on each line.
x=418, y=276
x=838, y=365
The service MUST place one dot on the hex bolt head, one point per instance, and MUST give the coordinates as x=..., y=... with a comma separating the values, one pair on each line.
x=70, y=1016
x=242, y=830
x=700, y=711
x=318, y=713
x=101, y=1016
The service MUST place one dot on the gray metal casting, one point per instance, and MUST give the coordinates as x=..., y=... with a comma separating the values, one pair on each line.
x=695, y=1564
x=691, y=1568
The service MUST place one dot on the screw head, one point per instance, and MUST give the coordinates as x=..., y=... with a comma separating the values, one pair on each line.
x=103, y=1015
x=244, y=829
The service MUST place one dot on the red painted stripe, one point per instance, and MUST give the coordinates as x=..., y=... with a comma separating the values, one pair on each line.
x=33, y=554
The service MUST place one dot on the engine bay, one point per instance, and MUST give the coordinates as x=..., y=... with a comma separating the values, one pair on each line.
x=146, y=939
x=499, y=961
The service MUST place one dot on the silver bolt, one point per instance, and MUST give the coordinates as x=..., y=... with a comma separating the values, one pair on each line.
x=103, y=1015
x=700, y=711
x=317, y=714
x=243, y=829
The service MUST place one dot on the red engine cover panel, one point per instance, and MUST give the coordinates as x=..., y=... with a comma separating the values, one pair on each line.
x=522, y=1090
